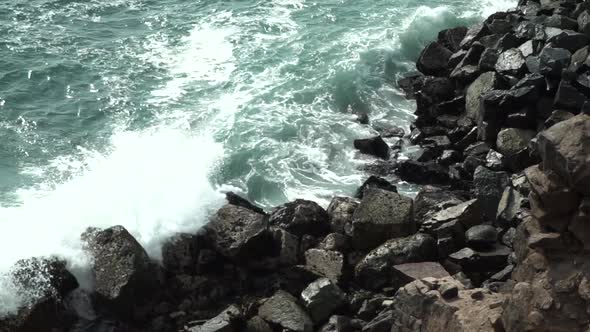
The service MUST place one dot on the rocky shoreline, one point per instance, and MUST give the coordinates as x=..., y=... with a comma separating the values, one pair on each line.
x=496, y=240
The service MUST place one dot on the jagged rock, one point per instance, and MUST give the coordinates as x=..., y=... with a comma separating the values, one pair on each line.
x=419, y=307
x=448, y=291
x=392, y=132
x=467, y=213
x=374, y=270
x=403, y=274
x=449, y=157
x=568, y=97
x=579, y=60
x=124, y=276
x=44, y=283
x=477, y=149
x=467, y=69
x=511, y=62
x=282, y=310
x=434, y=90
x=381, y=323
x=508, y=207
x=568, y=39
x=474, y=33
x=235, y=199
x=340, y=212
x=495, y=161
x=342, y=324
x=411, y=84
x=180, y=253
x=488, y=60
x=509, y=41
x=513, y=143
x=451, y=38
x=433, y=59
x=327, y=263
x=430, y=200
x=257, y=324
x=450, y=238
x=321, y=298
x=584, y=22
x=288, y=245
x=226, y=321
x=381, y=215
x=422, y=172
x=481, y=237
x=489, y=187
x=336, y=242
x=375, y=146
x=484, y=83
x=237, y=232
x=301, y=217
x=565, y=149
x=375, y=182
x=490, y=260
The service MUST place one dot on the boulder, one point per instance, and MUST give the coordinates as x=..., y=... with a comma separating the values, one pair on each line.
x=579, y=60
x=410, y=85
x=301, y=217
x=513, y=144
x=180, y=253
x=288, y=245
x=487, y=62
x=375, y=270
x=565, y=149
x=568, y=97
x=257, y=324
x=511, y=62
x=551, y=194
x=476, y=261
x=327, y=263
x=568, y=39
x=467, y=213
x=403, y=274
x=430, y=200
x=433, y=59
x=422, y=172
x=283, y=311
x=340, y=212
x=481, y=237
x=473, y=34
x=336, y=242
x=508, y=207
x=375, y=182
x=321, y=298
x=375, y=146
x=124, y=276
x=552, y=61
x=495, y=161
x=227, y=321
x=381, y=215
x=421, y=306
x=489, y=186
x=451, y=38
x=238, y=233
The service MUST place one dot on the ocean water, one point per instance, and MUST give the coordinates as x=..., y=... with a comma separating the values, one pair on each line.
x=142, y=112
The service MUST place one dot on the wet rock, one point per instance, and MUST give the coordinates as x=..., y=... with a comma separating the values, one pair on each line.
x=467, y=213
x=375, y=270
x=568, y=39
x=392, y=132
x=450, y=238
x=489, y=186
x=301, y=217
x=381, y=215
x=495, y=161
x=512, y=142
x=321, y=298
x=579, y=60
x=180, y=253
x=481, y=237
x=410, y=84
x=422, y=172
x=124, y=275
x=451, y=38
x=467, y=70
x=362, y=118
x=340, y=212
x=561, y=22
x=565, y=149
x=237, y=200
x=288, y=247
x=474, y=33
x=434, y=90
x=511, y=62
x=282, y=310
x=488, y=60
x=568, y=97
x=477, y=149
x=430, y=200
x=373, y=146
x=327, y=263
x=226, y=321
x=433, y=59
x=237, y=232
x=375, y=182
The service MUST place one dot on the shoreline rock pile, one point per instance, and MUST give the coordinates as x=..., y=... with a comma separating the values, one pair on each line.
x=496, y=240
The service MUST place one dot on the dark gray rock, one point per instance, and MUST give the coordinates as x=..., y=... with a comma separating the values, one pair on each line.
x=579, y=60
x=557, y=116
x=584, y=22
x=375, y=270
x=381, y=323
x=380, y=216
x=375, y=146
x=403, y=274
x=336, y=242
x=488, y=60
x=561, y=22
x=226, y=321
x=565, y=149
x=511, y=62
x=470, y=260
x=512, y=141
x=489, y=186
x=568, y=97
x=467, y=213
x=288, y=245
x=411, y=84
x=552, y=61
x=474, y=33
x=433, y=59
x=568, y=39
x=374, y=182
x=484, y=83
x=477, y=149
x=508, y=207
x=448, y=291
x=237, y=232
x=282, y=310
x=495, y=161
x=321, y=298
x=422, y=172
x=481, y=237
x=124, y=276
x=451, y=38
x=180, y=253
x=342, y=324
x=301, y=217
x=327, y=263
x=340, y=212
x=237, y=200
x=430, y=200
x=257, y=324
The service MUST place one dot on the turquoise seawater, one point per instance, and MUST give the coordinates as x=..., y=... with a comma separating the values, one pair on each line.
x=142, y=112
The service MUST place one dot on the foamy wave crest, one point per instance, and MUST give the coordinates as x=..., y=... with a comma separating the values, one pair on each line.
x=154, y=183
